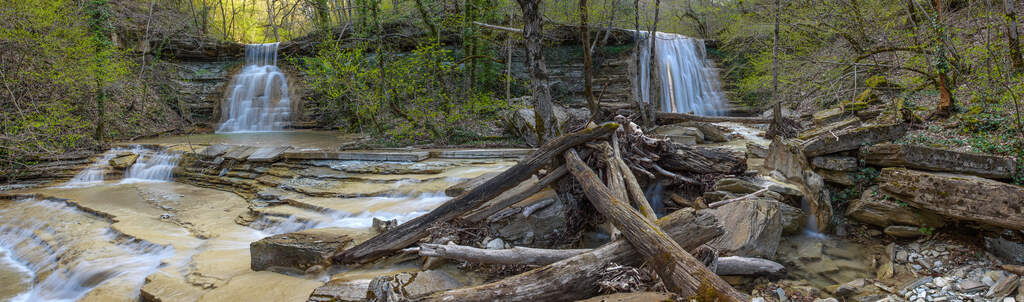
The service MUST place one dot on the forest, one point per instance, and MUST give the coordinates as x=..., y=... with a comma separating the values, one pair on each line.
x=486, y=150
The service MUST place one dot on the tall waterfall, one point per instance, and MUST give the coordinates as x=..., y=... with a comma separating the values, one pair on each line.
x=257, y=99
x=689, y=80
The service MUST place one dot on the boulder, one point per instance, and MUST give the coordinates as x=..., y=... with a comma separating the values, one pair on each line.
x=957, y=196
x=835, y=163
x=793, y=219
x=124, y=161
x=875, y=209
x=756, y=151
x=827, y=116
x=837, y=177
x=937, y=159
x=712, y=133
x=1012, y=252
x=735, y=185
x=851, y=139
x=214, y=151
x=786, y=157
x=902, y=231
x=843, y=124
x=521, y=122
x=469, y=184
x=756, y=226
x=297, y=252
x=681, y=134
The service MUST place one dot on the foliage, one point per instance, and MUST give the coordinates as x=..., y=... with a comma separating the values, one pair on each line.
x=862, y=180
x=412, y=97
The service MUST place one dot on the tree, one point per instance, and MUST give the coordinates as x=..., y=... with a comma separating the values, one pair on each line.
x=1012, y=36
x=588, y=77
x=777, y=109
x=544, y=113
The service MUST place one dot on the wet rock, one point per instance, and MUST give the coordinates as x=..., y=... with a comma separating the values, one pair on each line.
x=837, y=177
x=936, y=159
x=851, y=139
x=785, y=157
x=712, y=133
x=873, y=208
x=411, y=285
x=124, y=161
x=1010, y=251
x=756, y=228
x=297, y=252
x=340, y=290
x=466, y=186
x=961, y=197
x=793, y=219
x=756, y=151
x=902, y=231
x=851, y=288
x=214, y=151
x=381, y=225
x=736, y=185
x=835, y=163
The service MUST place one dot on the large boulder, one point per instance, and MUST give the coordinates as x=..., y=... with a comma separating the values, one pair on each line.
x=297, y=252
x=754, y=228
x=936, y=159
x=875, y=208
x=679, y=133
x=123, y=161
x=851, y=139
x=786, y=158
x=957, y=196
x=521, y=122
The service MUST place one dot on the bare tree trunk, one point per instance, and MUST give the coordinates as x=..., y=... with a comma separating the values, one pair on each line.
x=1012, y=35
x=271, y=19
x=681, y=272
x=652, y=69
x=544, y=112
x=588, y=77
x=777, y=109
x=515, y=255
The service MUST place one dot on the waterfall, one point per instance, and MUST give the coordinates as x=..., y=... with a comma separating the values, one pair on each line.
x=258, y=98
x=152, y=167
x=689, y=80
x=95, y=173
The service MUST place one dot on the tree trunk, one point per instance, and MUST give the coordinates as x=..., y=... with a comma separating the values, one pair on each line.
x=411, y=231
x=544, y=112
x=323, y=14
x=680, y=272
x=499, y=205
x=777, y=108
x=574, y=278
x=1012, y=35
x=515, y=255
x=652, y=69
x=427, y=19
x=588, y=77
x=634, y=192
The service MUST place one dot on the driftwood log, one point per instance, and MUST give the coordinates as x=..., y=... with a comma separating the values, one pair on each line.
x=499, y=205
x=408, y=233
x=680, y=272
x=574, y=278
x=635, y=192
x=665, y=118
x=726, y=266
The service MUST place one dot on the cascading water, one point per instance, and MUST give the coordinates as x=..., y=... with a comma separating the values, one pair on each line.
x=258, y=98
x=152, y=167
x=689, y=80
x=95, y=173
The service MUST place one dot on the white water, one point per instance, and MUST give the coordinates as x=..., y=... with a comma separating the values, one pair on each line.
x=95, y=173
x=361, y=220
x=689, y=80
x=258, y=99
x=45, y=250
x=152, y=167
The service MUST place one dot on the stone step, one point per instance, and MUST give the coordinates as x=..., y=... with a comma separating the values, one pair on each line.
x=405, y=156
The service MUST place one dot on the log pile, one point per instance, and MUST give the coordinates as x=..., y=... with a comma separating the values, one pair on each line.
x=602, y=166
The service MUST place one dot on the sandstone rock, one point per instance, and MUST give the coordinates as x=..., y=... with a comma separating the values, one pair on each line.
x=681, y=134
x=713, y=196
x=756, y=228
x=340, y=290
x=902, y=231
x=712, y=133
x=736, y=185
x=1004, y=287
x=786, y=157
x=297, y=252
x=381, y=225
x=466, y=186
x=827, y=116
x=214, y=151
x=837, y=177
x=835, y=163
x=521, y=122
x=936, y=159
x=636, y=297
x=961, y=197
x=813, y=132
x=756, y=151
x=123, y=162
x=873, y=208
x=1010, y=251
x=793, y=219
x=851, y=139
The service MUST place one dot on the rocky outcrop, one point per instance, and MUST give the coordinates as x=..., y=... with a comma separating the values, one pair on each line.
x=786, y=158
x=835, y=163
x=520, y=122
x=297, y=252
x=755, y=228
x=874, y=208
x=957, y=196
x=735, y=185
x=851, y=139
x=936, y=159
x=827, y=116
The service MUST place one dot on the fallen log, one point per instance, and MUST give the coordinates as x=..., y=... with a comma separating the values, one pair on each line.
x=748, y=266
x=408, y=233
x=680, y=272
x=703, y=160
x=515, y=255
x=499, y=205
x=671, y=118
x=636, y=193
x=574, y=278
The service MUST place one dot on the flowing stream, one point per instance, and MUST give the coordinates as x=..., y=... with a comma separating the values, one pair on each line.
x=257, y=99
x=689, y=80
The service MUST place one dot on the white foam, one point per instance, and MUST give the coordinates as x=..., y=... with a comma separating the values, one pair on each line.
x=689, y=80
